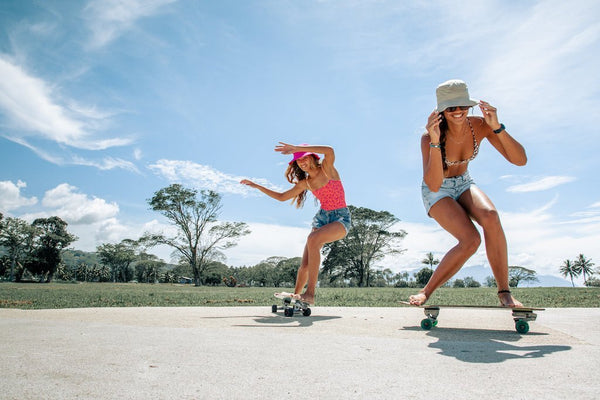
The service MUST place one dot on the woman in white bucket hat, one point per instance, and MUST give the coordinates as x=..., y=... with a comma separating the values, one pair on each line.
x=449, y=194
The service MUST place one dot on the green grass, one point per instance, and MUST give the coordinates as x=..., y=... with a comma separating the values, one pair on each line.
x=69, y=295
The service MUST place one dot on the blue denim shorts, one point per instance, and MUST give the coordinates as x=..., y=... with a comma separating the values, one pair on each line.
x=323, y=217
x=451, y=187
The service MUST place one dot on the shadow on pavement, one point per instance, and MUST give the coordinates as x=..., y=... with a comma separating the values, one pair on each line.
x=487, y=346
x=291, y=322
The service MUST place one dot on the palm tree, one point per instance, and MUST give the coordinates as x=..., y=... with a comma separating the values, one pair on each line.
x=584, y=266
x=570, y=269
x=430, y=260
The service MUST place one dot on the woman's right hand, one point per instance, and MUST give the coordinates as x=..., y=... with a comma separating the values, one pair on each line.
x=433, y=126
x=248, y=183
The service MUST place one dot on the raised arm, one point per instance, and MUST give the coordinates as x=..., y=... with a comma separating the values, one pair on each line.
x=327, y=151
x=433, y=170
x=281, y=196
x=506, y=145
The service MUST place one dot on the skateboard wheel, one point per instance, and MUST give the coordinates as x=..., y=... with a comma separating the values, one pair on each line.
x=427, y=324
x=274, y=308
x=288, y=312
x=522, y=326
x=435, y=322
x=306, y=312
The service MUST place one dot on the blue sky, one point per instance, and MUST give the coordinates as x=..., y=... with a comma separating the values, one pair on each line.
x=104, y=102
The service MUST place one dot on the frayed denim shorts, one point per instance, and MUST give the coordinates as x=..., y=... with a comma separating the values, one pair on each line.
x=451, y=187
x=324, y=217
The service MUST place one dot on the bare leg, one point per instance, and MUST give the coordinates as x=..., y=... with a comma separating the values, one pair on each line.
x=302, y=276
x=483, y=211
x=325, y=234
x=453, y=218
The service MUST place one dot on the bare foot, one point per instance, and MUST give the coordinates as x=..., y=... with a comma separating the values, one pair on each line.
x=418, y=299
x=307, y=298
x=507, y=300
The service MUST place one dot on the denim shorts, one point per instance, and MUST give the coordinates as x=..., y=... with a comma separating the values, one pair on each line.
x=451, y=187
x=323, y=217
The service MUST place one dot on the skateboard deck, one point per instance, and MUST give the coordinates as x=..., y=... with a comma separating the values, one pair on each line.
x=291, y=304
x=521, y=315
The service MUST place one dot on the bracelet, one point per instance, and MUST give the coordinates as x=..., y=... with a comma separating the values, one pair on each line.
x=435, y=145
x=497, y=131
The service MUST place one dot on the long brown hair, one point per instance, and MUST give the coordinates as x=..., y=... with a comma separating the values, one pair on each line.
x=295, y=174
x=443, y=129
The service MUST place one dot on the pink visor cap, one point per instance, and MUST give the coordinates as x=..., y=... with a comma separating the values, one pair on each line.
x=301, y=154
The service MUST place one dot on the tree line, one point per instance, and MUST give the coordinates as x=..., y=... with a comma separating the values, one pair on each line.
x=39, y=251
x=198, y=243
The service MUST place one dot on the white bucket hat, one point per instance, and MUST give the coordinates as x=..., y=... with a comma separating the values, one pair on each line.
x=453, y=93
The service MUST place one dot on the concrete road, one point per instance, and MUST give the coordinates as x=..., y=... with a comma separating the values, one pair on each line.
x=337, y=353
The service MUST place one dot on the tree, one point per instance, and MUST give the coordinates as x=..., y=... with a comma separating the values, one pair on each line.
x=584, y=266
x=570, y=270
x=118, y=257
x=423, y=276
x=368, y=241
x=17, y=237
x=430, y=260
x=490, y=281
x=199, y=238
x=148, y=268
x=518, y=274
x=470, y=282
x=51, y=238
x=458, y=283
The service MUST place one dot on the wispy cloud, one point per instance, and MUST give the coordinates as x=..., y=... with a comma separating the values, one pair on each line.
x=204, y=177
x=11, y=197
x=30, y=105
x=545, y=183
x=107, y=163
x=109, y=19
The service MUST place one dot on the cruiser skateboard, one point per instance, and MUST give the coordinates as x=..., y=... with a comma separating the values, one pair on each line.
x=291, y=304
x=521, y=315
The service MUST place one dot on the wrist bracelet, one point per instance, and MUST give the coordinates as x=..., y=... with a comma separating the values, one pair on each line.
x=497, y=131
x=435, y=145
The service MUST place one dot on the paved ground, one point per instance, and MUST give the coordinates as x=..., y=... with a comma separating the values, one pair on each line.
x=250, y=353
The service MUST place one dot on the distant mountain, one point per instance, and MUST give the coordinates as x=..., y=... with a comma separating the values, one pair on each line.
x=480, y=273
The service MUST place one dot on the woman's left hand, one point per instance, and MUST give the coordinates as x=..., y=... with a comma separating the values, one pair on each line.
x=490, y=114
x=285, y=148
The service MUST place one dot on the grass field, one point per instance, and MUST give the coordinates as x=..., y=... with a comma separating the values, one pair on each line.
x=77, y=295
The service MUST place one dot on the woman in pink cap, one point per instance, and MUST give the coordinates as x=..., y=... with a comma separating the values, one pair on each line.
x=332, y=222
x=449, y=194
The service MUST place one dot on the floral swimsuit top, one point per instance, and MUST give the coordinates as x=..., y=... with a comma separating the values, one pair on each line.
x=331, y=195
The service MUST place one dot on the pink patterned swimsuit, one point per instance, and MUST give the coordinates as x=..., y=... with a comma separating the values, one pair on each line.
x=331, y=195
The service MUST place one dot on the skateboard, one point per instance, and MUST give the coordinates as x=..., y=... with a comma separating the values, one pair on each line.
x=291, y=305
x=521, y=315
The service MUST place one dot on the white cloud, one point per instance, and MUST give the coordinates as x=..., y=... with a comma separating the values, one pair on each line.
x=267, y=240
x=545, y=183
x=204, y=177
x=29, y=104
x=109, y=19
x=77, y=208
x=11, y=198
